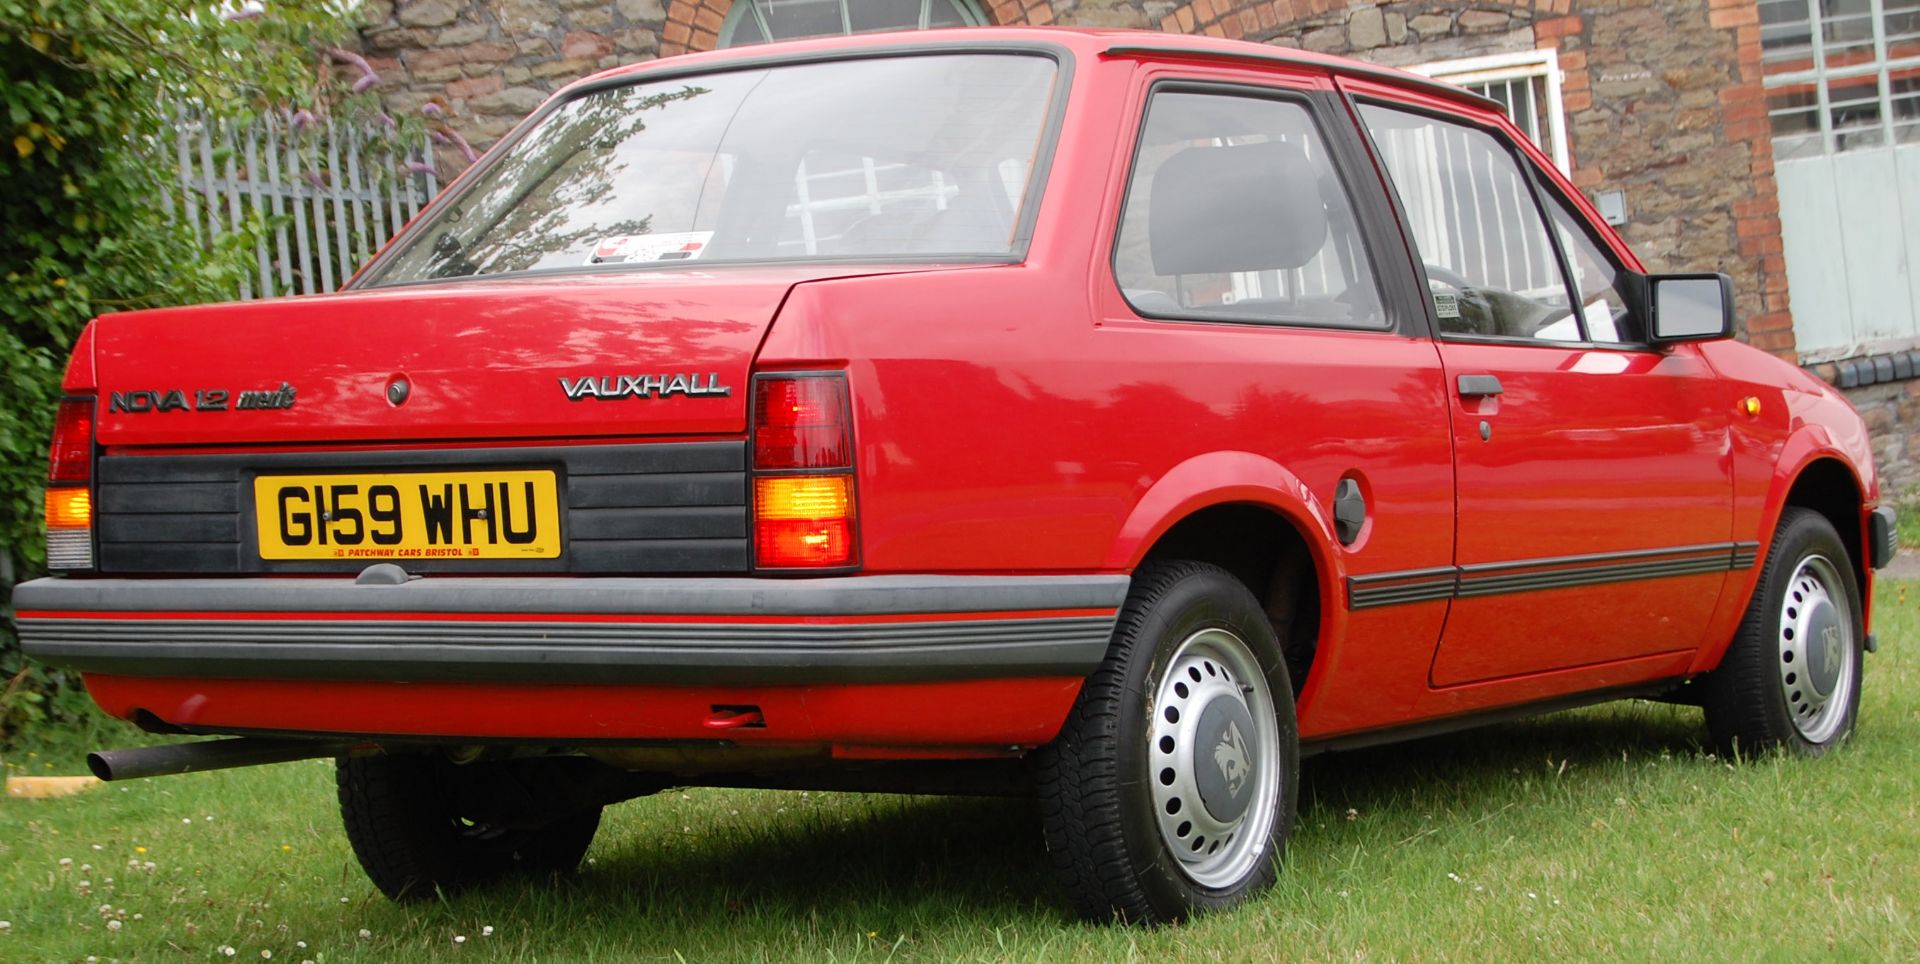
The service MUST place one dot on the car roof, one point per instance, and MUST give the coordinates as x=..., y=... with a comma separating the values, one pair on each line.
x=1082, y=41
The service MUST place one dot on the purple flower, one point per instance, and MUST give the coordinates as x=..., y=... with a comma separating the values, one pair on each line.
x=349, y=57
x=465, y=148
x=367, y=75
x=301, y=118
x=419, y=167
x=431, y=109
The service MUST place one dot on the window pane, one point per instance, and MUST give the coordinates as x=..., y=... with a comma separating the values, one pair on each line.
x=1902, y=26
x=947, y=13
x=867, y=15
x=746, y=28
x=1854, y=104
x=876, y=159
x=1795, y=116
x=790, y=19
x=1235, y=212
x=1785, y=36
x=1596, y=278
x=1846, y=31
x=1906, y=110
x=1488, y=257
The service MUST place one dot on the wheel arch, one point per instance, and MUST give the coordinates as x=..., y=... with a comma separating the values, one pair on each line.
x=1822, y=479
x=1828, y=485
x=1252, y=517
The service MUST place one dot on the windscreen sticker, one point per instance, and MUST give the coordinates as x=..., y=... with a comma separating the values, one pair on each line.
x=632, y=248
x=1446, y=304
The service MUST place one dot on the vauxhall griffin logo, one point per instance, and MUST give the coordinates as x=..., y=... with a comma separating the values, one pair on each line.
x=1231, y=757
x=607, y=388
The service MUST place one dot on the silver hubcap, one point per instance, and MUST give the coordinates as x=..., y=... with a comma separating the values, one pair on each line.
x=1214, y=758
x=1816, y=650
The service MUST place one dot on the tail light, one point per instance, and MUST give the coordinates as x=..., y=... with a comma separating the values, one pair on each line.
x=69, y=500
x=803, y=499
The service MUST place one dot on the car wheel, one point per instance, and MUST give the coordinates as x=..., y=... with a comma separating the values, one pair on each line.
x=1170, y=790
x=1791, y=678
x=405, y=825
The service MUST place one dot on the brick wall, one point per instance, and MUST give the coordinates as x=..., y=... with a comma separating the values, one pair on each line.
x=1663, y=97
x=1663, y=101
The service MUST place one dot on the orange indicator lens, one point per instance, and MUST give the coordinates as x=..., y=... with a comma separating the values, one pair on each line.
x=69, y=508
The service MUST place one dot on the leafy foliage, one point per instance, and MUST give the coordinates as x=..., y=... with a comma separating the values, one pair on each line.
x=85, y=94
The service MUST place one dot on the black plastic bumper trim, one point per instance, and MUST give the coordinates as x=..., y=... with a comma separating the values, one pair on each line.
x=1882, y=525
x=198, y=628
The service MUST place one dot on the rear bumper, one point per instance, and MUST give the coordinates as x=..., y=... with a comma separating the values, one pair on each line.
x=707, y=632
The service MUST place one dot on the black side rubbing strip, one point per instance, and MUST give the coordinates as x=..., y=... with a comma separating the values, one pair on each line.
x=1553, y=572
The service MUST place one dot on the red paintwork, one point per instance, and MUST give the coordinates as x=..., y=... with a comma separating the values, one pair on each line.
x=962, y=719
x=484, y=358
x=1022, y=418
x=1591, y=451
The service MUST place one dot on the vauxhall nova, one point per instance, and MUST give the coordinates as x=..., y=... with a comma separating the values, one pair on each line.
x=1105, y=416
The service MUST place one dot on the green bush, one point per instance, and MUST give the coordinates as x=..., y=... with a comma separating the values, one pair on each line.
x=85, y=90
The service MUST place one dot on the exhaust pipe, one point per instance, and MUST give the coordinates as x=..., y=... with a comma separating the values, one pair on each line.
x=156, y=761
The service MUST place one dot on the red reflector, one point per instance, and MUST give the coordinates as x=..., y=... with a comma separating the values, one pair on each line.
x=71, y=458
x=801, y=423
x=803, y=521
x=793, y=543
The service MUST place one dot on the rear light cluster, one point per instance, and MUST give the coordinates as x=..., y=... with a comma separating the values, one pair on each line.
x=70, y=487
x=803, y=500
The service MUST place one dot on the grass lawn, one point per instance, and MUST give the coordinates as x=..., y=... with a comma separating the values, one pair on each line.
x=1599, y=833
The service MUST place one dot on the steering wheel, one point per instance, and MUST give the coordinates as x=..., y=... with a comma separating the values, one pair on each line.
x=1447, y=277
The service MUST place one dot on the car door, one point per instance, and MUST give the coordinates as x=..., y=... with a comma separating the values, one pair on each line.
x=1250, y=270
x=1593, y=484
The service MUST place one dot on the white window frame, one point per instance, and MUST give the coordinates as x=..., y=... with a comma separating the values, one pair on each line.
x=1880, y=69
x=1476, y=72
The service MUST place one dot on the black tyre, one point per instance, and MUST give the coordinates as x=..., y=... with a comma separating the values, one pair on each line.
x=1791, y=678
x=404, y=820
x=1170, y=791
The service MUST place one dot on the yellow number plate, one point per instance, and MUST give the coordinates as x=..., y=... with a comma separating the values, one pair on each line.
x=409, y=515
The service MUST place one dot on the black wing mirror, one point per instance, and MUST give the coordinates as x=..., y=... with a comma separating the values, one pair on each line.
x=1689, y=307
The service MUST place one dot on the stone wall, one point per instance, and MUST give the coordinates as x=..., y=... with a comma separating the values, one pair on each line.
x=1892, y=413
x=1663, y=97
x=476, y=67
x=1663, y=101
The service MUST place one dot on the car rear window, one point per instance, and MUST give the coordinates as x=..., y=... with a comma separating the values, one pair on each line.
x=886, y=158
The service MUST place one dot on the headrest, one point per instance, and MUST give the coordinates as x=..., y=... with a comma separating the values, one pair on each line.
x=1249, y=207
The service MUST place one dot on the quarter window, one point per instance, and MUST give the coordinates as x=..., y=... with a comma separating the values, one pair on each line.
x=1596, y=279
x=1235, y=212
x=1490, y=264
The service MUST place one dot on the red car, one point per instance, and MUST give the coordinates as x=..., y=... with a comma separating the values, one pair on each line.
x=1114, y=417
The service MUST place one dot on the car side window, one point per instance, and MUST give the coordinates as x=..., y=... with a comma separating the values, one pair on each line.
x=1235, y=212
x=1490, y=264
x=1596, y=278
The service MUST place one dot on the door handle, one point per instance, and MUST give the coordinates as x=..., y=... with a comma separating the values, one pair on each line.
x=1479, y=386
